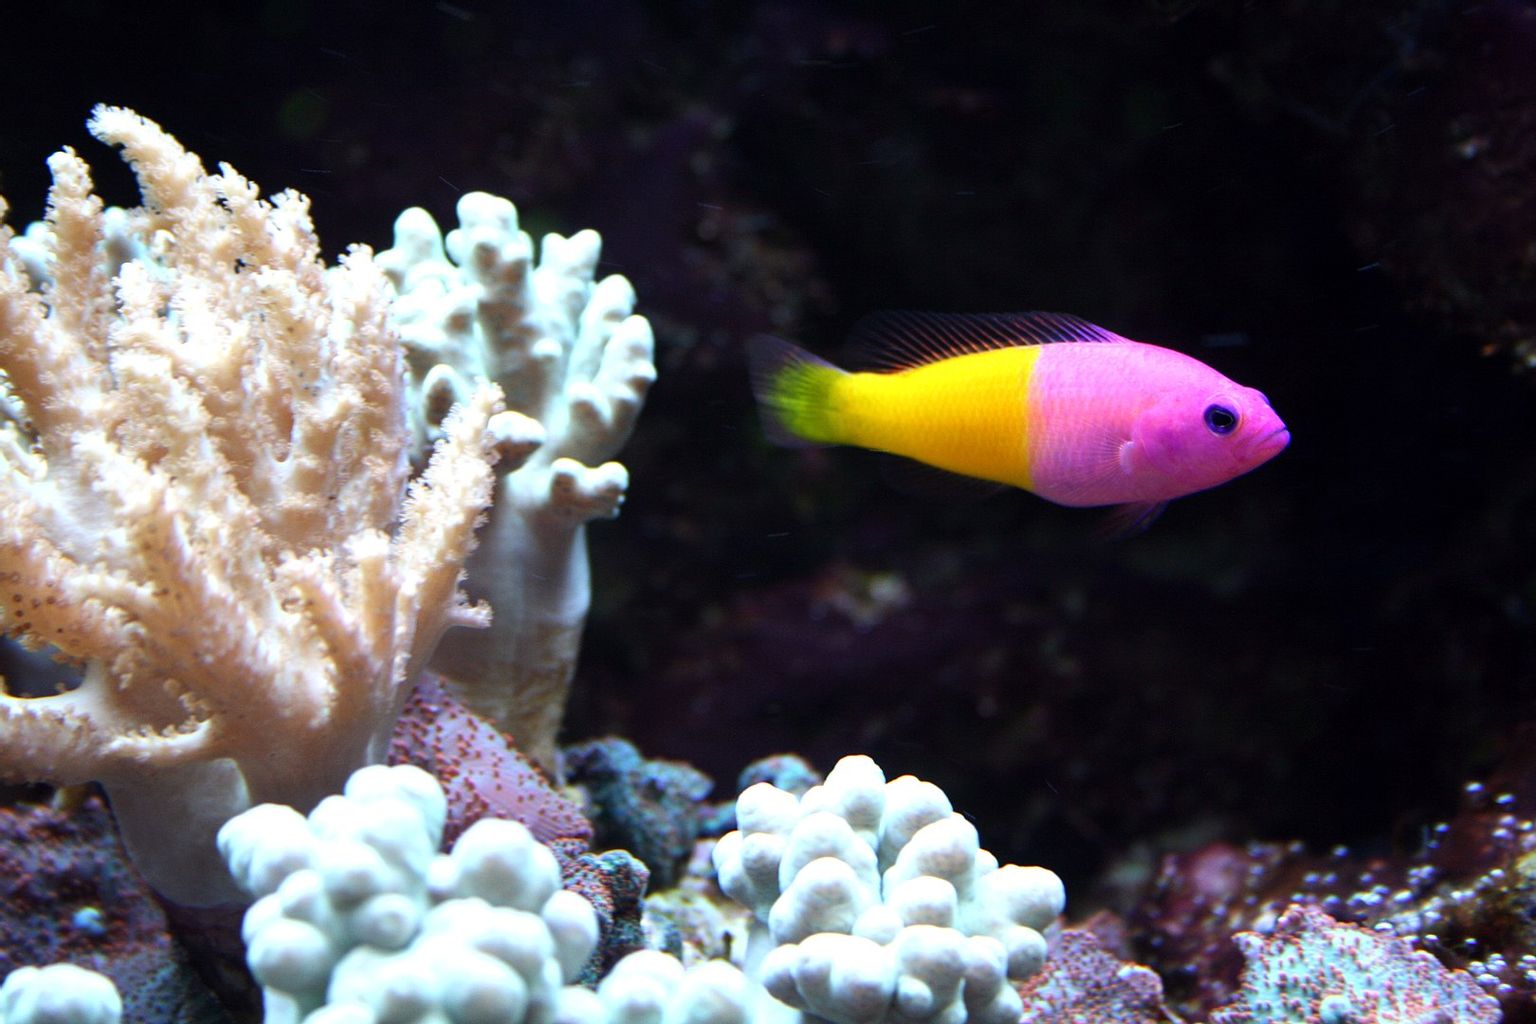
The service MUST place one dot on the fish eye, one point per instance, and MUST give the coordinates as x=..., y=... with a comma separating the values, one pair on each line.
x=1220, y=419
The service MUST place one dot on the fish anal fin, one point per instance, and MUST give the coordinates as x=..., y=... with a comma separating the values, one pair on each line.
x=921, y=480
x=901, y=339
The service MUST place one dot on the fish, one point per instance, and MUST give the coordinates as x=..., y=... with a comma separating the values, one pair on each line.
x=1045, y=402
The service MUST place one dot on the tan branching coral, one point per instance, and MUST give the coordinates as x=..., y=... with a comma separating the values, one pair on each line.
x=204, y=502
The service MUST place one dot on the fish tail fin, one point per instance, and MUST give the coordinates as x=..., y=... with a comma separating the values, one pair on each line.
x=793, y=390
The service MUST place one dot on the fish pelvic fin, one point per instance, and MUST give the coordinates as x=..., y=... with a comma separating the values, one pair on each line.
x=794, y=392
x=1126, y=521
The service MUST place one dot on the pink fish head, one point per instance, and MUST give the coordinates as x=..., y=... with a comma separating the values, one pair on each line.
x=1203, y=433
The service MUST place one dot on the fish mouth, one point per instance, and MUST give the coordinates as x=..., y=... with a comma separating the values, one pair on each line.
x=1270, y=445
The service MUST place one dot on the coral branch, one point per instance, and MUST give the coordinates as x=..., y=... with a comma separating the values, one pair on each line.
x=203, y=501
x=575, y=364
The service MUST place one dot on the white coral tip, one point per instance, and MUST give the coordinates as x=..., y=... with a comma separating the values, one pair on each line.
x=59, y=994
x=514, y=437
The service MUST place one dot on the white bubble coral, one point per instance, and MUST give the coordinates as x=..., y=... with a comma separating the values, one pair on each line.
x=875, y=902
x=359, y=919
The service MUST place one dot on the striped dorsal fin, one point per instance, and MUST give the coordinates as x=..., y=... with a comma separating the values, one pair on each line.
x=900, y=340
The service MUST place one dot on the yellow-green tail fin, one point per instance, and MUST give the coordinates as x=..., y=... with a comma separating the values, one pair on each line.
x=793, y=390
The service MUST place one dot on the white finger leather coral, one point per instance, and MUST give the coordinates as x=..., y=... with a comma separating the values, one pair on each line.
x=575, y=364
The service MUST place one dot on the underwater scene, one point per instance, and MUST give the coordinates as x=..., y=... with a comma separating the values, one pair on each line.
x=692, y=513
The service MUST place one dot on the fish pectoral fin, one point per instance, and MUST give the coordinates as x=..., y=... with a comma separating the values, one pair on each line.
x=1110, y=460
x=1126, y=456
x=1128, y=520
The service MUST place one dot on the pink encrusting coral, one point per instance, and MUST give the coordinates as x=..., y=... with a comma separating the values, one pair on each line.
x=1082, y=981
x=482, y=774
x=1464, y=894
x=1312, y=968
x=68, y=893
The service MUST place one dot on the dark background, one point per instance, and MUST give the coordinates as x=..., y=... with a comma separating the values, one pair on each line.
x=1333, y=202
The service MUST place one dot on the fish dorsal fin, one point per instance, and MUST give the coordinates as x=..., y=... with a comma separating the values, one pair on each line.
x=901, y=339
